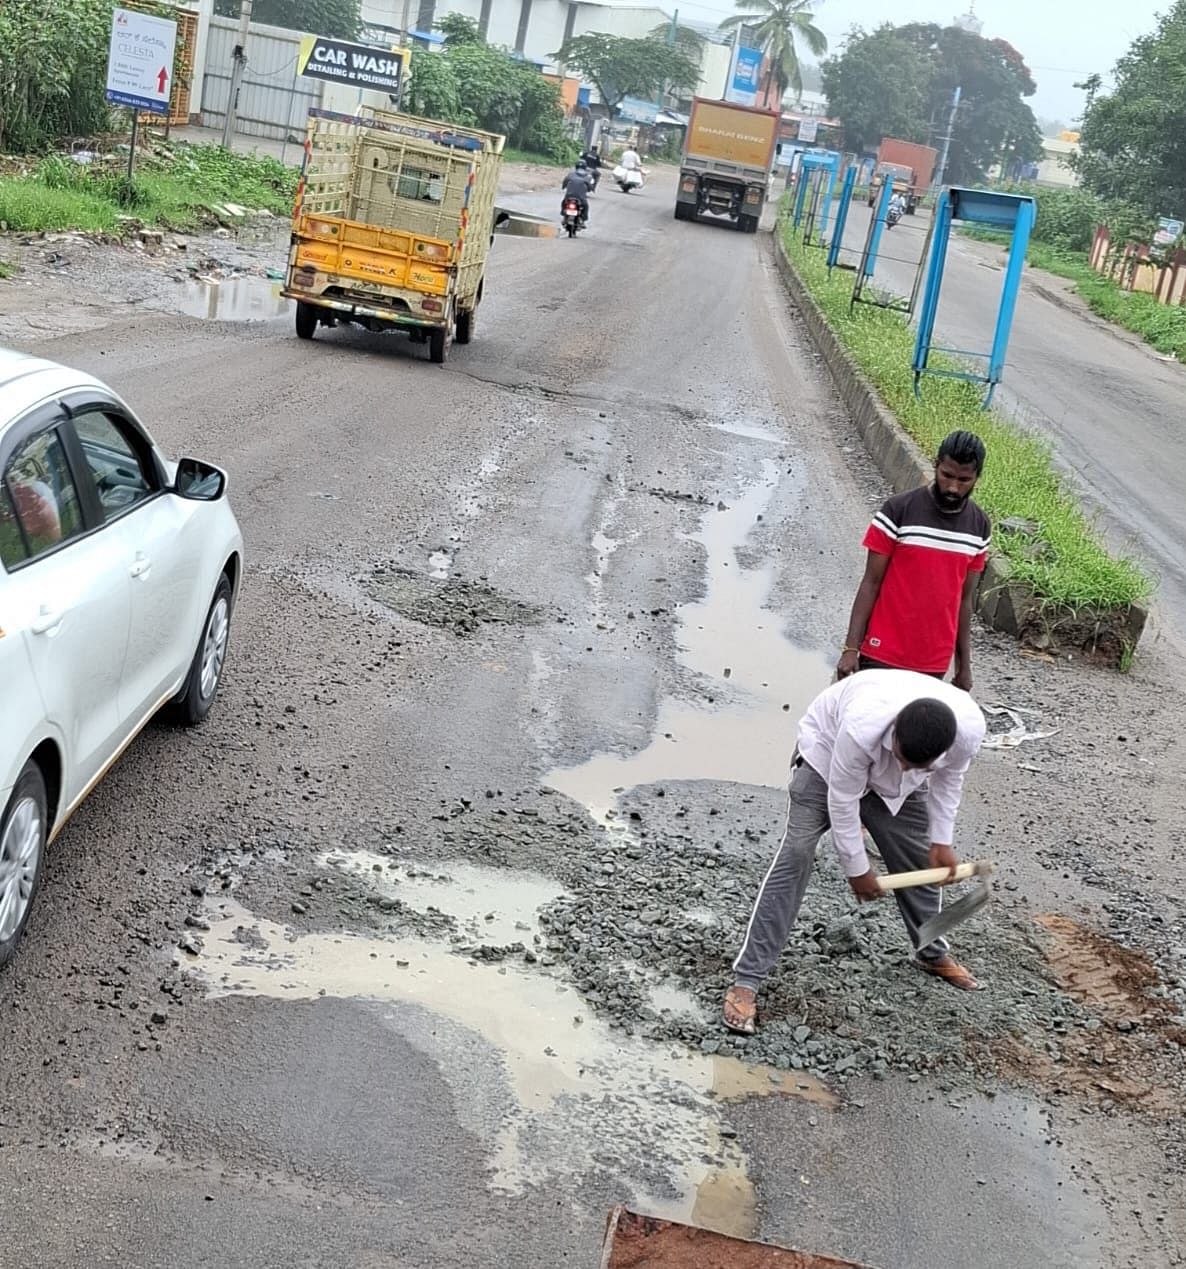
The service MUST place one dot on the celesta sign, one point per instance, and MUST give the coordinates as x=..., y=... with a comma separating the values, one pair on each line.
x=359, y=65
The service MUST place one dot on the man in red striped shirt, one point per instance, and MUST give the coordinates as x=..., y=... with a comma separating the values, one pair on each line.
x=926, y=550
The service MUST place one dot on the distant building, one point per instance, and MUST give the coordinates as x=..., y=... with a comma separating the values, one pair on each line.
x=1054, y=170
x=969, y=21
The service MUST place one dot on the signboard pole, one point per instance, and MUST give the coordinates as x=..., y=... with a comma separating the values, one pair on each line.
x=132, y=147
x=140, y=65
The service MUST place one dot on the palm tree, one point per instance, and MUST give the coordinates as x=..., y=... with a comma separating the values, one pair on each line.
x=778, y=26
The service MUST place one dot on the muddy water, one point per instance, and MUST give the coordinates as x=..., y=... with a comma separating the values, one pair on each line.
x=584, y=1096
x=242, y=299
x=760, y=680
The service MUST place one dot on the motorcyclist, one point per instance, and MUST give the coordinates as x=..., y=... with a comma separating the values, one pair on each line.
x=897, y=205
x=592, y=160
x=576, y=185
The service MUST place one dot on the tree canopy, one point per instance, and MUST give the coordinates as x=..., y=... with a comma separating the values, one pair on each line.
x=472, y=82
x=780, y=26
x=620, y=67
x=337, y=18
x=1133, y=140
x=899, y=81
x=877, y=87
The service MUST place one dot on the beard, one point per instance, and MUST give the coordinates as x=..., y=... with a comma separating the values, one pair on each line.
x=950, y=501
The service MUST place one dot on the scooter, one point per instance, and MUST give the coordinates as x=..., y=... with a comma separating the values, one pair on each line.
x=629, y=178
x=570, y=217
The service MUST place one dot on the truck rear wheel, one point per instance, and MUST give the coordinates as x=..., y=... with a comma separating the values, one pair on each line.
x=685, y=211
x=747, y=224
x=465, y=327
x=306, y=320
x=438, y=345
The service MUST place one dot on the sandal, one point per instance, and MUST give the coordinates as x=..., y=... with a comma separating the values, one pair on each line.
x=740, y=1013
x=950, y=971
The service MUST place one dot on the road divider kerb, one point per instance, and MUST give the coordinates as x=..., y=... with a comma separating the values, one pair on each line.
x=1104, y=636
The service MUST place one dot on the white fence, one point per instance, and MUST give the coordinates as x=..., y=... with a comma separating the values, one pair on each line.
x=273, y=99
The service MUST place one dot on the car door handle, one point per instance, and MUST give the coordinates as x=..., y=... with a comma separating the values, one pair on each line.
x=47, y=621
x=141, y=565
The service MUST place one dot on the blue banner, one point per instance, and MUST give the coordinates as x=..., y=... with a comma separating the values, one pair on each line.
x=747, y=71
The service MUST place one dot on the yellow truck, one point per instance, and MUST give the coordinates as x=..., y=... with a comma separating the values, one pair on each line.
x=392, y=226
x=726, y=164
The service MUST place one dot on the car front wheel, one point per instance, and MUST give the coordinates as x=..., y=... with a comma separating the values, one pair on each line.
x=205, y=671
x=23, y=833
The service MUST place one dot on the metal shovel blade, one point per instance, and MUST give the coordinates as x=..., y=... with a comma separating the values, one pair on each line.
x=955, y=914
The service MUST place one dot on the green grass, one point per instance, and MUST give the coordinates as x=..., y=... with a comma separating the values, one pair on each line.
x=1019, y=478
x=6, y=270
x=511, y=155
x=28, y=206
x=175, y=189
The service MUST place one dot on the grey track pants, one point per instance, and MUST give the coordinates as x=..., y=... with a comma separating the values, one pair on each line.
x=903, y=840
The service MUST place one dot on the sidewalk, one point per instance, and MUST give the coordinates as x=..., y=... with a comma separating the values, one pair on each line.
x=286, y=151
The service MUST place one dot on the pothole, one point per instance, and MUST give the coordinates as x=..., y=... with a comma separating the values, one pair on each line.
x=734, y=640
x=585, y=1096
x=448, y=603
x=241, y=299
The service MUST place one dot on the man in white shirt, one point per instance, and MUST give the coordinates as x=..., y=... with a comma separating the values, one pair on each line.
x=889, y=749
x=630, y=160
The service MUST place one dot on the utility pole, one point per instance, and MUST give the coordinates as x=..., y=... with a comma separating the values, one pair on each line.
x=405, y=37
x=237, y=67
x=670, y=41
x=941, y=166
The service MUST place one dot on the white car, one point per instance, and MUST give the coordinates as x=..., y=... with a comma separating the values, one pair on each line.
x=118, y=576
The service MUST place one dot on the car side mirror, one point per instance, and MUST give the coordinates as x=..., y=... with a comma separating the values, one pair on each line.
x=199, y=481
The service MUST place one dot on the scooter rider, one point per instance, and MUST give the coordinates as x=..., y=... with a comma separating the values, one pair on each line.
x=576, y=185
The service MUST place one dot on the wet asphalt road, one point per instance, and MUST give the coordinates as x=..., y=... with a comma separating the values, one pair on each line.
x=1109, y=404
x=160, y=1108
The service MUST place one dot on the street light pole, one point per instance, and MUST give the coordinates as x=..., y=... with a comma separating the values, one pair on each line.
x=941, y=166
x=237, y=67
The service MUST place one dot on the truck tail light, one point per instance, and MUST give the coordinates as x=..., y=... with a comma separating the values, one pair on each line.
x=306, y=275
x=689, y=187
x=432, y=306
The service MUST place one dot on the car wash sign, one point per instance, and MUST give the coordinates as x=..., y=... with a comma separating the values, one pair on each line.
x=356, y=65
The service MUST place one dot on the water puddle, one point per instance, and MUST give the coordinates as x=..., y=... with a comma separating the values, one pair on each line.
x=439, y=564
x=243, y=299
x=499, y=905
x=732, y=638
x=584, y=1096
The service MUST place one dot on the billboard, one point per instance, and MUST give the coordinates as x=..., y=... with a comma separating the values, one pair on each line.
x=747, y=71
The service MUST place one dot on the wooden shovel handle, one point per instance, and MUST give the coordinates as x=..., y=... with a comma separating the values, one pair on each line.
x=933, y=876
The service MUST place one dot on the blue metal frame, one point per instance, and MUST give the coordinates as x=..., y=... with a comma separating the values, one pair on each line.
x=869, y=263
x=841, y=222
x=976, y=207
x=813, y=162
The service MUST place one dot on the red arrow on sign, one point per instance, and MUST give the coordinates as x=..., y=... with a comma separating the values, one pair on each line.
x=162, y=75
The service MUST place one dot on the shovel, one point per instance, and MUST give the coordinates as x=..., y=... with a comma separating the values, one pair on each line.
x=957, y=912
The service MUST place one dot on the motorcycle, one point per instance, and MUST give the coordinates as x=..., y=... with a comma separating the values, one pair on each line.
x=570, y=217
x=892, y=217
x=629, y=178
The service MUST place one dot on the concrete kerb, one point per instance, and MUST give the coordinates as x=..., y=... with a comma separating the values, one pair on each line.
x=1107, y=636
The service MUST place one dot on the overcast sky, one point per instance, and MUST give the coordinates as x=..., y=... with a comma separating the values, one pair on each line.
x=1062, y=41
